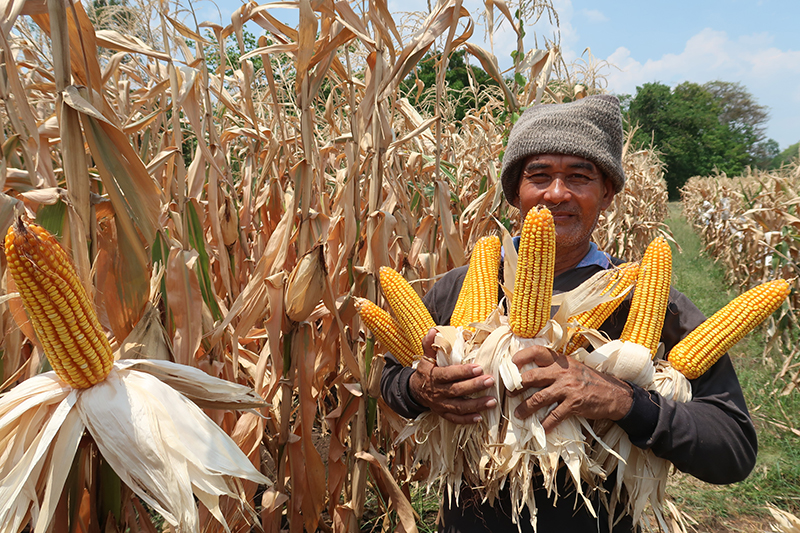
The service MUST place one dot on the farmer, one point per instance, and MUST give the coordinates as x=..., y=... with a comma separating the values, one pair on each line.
x=568, y=158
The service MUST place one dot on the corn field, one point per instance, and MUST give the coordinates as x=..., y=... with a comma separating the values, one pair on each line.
x=225, y=215
x=750, y=225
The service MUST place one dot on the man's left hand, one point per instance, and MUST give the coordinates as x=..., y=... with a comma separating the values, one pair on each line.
x=573, y=386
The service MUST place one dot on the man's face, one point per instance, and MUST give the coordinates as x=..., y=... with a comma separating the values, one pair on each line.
x=572, y=188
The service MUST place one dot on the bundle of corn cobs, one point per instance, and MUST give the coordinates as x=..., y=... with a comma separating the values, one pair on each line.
x=503, y=450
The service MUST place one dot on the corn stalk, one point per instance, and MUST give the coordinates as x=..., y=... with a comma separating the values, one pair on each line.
x=196, y=194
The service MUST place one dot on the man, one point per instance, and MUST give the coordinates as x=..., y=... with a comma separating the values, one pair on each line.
x=568, y=158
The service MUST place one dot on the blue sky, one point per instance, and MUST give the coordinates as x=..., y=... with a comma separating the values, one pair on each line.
x=753, y=42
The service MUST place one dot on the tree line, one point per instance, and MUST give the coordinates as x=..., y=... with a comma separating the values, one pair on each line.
x=703, y=129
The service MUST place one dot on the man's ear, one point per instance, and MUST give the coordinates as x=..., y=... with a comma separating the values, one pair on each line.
x=608, y=195
x=515, y=201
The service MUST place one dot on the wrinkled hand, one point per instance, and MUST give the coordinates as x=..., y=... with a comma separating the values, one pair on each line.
x=576, y=388
x=446, y=390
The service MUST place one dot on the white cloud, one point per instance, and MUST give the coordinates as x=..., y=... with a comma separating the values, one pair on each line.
x=771, y=75
x=594, y=15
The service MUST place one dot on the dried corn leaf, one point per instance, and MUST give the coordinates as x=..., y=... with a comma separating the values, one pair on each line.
x=186, y=304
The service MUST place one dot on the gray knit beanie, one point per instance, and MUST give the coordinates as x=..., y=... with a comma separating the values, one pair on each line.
x=590, y=128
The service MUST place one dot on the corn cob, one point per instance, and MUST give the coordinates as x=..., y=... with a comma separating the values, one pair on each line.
x=695, y=354
x=650, y=297
x=388, y=331
x=533, y=282
x=407, y=307
x=61, y=314
x=478, y=294
x=620, y=280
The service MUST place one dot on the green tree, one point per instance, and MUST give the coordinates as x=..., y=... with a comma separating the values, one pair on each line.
x=787, y=156
x=456, y=79
x=232, y=52
x=107, y=14
x=766, y=152
x=746, y=120
x=689, y=125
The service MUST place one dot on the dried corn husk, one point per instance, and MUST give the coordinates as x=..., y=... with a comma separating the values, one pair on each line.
x=229, y=221
x=641, y=477
x=161, y=444
x=306, y=285
x=785, y=522
x=503, y=450
x=624, y=360
x=148, y=339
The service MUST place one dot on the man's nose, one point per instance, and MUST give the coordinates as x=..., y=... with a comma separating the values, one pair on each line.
x=557, y=192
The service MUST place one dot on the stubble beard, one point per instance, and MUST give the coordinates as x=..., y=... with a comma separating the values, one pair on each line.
x=572, y=236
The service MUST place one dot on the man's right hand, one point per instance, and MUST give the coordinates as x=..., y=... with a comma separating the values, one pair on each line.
x=447, y=390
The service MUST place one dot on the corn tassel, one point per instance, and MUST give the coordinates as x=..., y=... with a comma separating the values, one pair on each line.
x=478, y=296
x=620, y=279
x=388, y=330
x=650, y=297
x=699, y=350
x=533, y=282
x=407, y=307
x=61, y=314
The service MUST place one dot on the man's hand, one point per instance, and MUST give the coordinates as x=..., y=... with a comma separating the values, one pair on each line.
x=574, y=387
x=446, y=390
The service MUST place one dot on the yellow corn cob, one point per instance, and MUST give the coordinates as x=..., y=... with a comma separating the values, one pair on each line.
x=62, y=316
x=388, y=331
x=650, y=297
x=478, y=294
x=623, y=277
x=705, y=344
x=407, y=307
x=533, y=283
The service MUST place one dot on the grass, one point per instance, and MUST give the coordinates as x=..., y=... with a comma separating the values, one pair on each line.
x=776, y=476
x=694, y=273
x=425, y=503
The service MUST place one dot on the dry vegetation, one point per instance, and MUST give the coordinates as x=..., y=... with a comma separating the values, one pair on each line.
x=637, y=216
x=750, y=225
x=118, y=136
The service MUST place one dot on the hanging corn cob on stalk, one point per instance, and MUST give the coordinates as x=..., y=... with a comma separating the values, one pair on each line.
x=62, y=316
x=699, y=350
x=45, y=416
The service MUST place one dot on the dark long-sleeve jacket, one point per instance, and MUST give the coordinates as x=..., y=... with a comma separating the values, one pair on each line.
x=711, y=437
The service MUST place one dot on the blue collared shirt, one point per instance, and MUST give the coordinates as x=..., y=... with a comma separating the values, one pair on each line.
x=593, y=257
